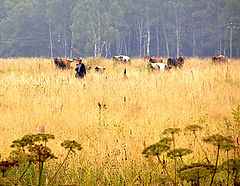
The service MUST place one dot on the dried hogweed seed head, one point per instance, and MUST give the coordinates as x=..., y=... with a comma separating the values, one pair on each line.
x=194, y=128
x=155, y=149
x=166, y=140
x=218, y=140
x=71, y=145
x=180, y=152
x=171, y=131
x=195, y=171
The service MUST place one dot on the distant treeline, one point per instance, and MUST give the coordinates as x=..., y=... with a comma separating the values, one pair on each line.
x=70, y=28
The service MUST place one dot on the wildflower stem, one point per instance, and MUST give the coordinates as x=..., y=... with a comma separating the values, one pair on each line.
x=228, y=169
x=40, y=172
x=175, y=161
x=203, y=150
x=52, y=179
x=215, y=170
x=29, y=163
x=164, y=168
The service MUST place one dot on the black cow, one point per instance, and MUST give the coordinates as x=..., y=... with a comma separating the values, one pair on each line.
x=175, y=62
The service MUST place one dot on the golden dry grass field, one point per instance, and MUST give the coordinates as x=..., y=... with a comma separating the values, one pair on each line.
x=34, y=93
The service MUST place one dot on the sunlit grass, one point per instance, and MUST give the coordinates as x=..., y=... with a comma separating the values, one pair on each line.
x=34, y=93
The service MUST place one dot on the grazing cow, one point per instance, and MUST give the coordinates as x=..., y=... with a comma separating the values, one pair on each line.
x=122, y=58
x=88, y=68
x=219, y=59
x=62, y=63
x=181, y=61
x=159, y=67
x=146, y=58
x=175, y=62
x=155, y=60
x=99, y=69
x=172, y=62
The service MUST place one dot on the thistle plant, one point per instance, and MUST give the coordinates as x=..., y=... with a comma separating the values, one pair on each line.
x=219, y=141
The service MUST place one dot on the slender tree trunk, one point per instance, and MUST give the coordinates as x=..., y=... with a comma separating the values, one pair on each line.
x=148, y=31
x=101, y=49
x=50, y=38
x=177, y=28
x=129, y=43
x=65, y=47
x=118, y=47
x=95, y=50
x=121, y=46
x=148, y=41
x=141, y=36
x=125, y=47
x=95, y=44
x=194, y=45
x=106, y=50
x=165, y=35
x=157, y=39
x=99, y=31
x=140, y=44
x=71, y=50
x=99, y=43
x=109, y=49
x=144, y=46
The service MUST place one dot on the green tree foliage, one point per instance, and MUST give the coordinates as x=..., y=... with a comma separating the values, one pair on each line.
x=111, y=27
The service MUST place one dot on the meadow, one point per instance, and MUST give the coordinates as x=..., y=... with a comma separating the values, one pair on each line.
x=115, y=117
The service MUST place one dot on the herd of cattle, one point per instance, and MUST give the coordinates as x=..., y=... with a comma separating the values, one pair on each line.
x=156, y=64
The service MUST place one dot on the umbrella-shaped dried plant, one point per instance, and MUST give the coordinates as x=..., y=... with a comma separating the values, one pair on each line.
x=173, y=131
x=219, y=141
x=232, y=166
x=30, y=148
x=194, y=129
x=194, y=172
x=156, y=150
x=71, y=146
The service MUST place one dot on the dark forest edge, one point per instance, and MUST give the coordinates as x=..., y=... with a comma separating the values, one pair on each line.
x=71, y=28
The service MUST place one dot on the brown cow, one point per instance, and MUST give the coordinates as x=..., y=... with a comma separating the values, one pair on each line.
x=155, y=60
x=62, y=63
x=146, y=58
x=219, y=59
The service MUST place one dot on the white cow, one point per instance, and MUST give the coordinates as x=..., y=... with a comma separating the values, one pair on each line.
x=100, y=69
x=159, y=66
x=122, y=58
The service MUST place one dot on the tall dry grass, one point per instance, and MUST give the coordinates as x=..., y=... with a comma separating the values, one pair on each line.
x=34, y=93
